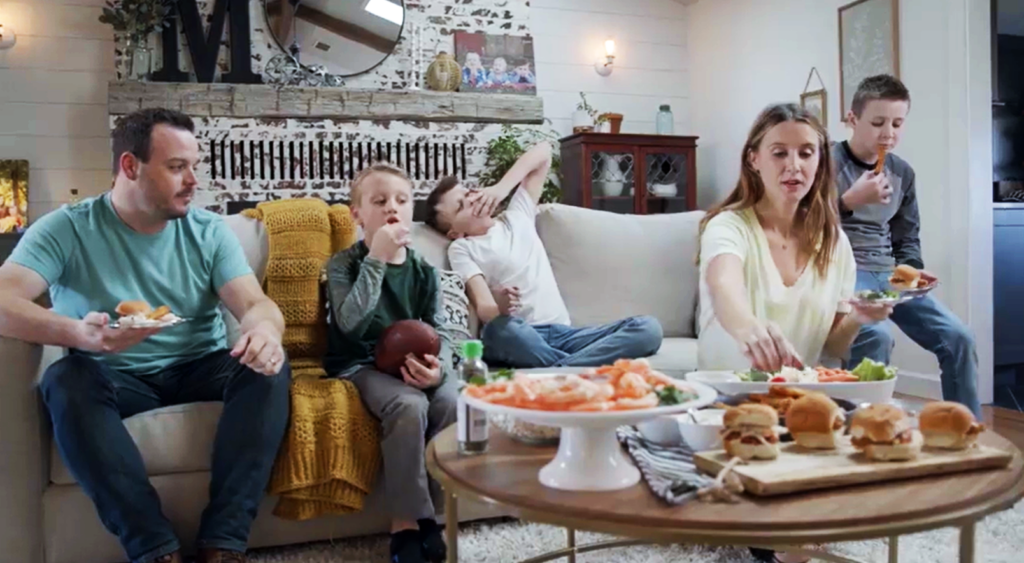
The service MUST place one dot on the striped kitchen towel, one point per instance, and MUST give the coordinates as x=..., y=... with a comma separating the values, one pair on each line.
x=668, y=470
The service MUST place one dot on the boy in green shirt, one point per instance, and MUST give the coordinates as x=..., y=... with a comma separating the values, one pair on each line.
x=376, y=282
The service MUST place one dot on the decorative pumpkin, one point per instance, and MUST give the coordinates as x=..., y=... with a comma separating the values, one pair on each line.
x=444, y=74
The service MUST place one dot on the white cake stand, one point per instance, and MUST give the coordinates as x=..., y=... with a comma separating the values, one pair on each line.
x=589, y=456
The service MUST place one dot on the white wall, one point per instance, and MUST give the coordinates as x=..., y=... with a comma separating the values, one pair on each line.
x=53, y=97
x=752, y=53
x=651, y=60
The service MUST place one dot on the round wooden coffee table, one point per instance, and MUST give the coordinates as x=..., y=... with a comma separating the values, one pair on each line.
x=507, y=475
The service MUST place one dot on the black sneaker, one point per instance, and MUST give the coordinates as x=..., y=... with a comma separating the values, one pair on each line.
x=406, y=547
x=434, y=548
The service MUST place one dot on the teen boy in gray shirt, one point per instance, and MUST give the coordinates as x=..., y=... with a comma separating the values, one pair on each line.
x=880, y=216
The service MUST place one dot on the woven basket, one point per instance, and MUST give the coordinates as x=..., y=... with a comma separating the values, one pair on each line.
x=444, y=74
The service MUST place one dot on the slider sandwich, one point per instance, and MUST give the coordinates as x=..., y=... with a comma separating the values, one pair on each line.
x=749, y=432
x=815, y=421
x=885, y=433
x=948, y=425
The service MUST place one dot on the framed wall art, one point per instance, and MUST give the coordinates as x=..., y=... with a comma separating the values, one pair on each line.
x=816, y=101
x=869, y=42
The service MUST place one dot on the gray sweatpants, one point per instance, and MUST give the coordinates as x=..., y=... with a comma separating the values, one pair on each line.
x=409, y=418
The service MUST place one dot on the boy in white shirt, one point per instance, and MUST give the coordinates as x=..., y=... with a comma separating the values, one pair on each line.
x=509, y=279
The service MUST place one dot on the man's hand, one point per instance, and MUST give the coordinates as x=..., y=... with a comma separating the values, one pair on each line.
x=260, y=350
x=507, y=299
x=388, y=241
x=483, y=202
x=869, y=189
x=421, y=376
x=95, y=335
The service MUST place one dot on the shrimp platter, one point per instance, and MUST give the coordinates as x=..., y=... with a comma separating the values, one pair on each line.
x=587, y=408
x=624, y=385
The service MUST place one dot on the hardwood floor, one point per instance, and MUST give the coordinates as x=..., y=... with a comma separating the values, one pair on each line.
x=1005, y=422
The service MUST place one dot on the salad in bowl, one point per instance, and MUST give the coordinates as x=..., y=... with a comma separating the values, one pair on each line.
x=870, y=381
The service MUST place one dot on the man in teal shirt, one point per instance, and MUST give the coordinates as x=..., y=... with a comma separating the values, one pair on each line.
x=143, y=241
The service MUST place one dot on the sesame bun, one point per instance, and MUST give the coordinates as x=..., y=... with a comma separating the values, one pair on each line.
x=879, y=423
x=948, y=425
x=126, y=308
x=904, y=277
x=750, y=414
x=815, y=421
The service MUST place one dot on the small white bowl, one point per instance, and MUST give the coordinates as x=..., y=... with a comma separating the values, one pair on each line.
x=674, y=429
x=705, y=434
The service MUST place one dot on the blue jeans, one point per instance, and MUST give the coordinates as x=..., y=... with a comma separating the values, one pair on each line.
x=510, y=341
x=933, y=327
x=87, y=401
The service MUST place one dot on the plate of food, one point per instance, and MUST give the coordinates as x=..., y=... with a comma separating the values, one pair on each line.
x=588, y=407
x=140, y=314
x=870, y=381
x=905, y=284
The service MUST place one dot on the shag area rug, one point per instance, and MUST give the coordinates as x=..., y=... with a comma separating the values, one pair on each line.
x=1000, y=539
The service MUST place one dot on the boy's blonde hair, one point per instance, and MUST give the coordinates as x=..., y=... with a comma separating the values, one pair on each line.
x=355, y=191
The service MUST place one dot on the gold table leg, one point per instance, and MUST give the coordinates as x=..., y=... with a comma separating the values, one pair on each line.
x=571, y=537
x=967, y=543
x=894, y=549
x=451, y=526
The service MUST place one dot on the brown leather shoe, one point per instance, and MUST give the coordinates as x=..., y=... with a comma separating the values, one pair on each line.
x=211, y=555
x=169, y=558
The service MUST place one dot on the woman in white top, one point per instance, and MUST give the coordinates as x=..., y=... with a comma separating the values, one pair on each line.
x=776, y=269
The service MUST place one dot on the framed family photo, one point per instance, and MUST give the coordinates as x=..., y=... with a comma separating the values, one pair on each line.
x=496, y=63
x=869, y=39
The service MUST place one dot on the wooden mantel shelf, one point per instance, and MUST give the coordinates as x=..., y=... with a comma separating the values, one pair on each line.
x=260, y=100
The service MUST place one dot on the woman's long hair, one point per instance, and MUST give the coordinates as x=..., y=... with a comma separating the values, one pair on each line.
x=817, y=219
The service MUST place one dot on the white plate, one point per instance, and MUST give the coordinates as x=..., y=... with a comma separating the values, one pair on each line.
x=855, y=392
x=589, y=456
x=904, y=296
x=147, y=323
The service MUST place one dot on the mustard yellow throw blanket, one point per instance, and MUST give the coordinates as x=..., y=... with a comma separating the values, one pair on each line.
x=331, y=452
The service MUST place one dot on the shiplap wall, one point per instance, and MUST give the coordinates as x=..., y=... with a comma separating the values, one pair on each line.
x=651, y=59
x=53, y=83
x=53, y=97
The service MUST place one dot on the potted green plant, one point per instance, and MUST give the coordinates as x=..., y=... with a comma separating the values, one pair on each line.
x=134, y=21
x=584, y=117
x=504, y=150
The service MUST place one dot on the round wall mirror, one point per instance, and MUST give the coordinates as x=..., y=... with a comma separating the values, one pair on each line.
x=344, y=37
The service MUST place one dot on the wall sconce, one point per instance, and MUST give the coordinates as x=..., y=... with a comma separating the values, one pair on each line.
x=605, y=68
x=7, y=37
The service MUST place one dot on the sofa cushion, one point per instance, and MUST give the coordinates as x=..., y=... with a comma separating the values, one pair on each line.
x=677, y=356
x=174, y=439
x=609, y=266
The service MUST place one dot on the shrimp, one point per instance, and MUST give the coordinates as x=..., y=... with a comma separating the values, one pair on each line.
x=594, y=406
x=483, y=391
x=633, y=386
x=627, y=403
x=659, y=380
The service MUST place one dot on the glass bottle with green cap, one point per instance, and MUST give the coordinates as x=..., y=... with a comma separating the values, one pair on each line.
x=472, y=422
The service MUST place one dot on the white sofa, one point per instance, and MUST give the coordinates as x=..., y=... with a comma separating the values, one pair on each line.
x=608, y=266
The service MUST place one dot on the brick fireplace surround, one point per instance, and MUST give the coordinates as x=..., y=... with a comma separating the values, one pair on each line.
x=261, y=142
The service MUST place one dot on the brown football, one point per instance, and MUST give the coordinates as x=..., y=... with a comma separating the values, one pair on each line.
x=401, y=339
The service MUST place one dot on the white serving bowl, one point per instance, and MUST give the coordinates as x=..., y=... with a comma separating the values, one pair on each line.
x=729, y=383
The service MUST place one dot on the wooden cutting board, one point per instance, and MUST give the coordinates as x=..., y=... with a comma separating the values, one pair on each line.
x=800, y=469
